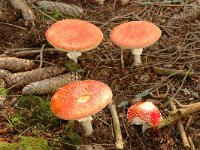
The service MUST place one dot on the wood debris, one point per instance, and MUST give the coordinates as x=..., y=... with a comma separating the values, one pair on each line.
x=26, y=10
x=124, y=2
x=50, y=85
x=16, y=64
x=66, y=9
x=181, y=128
x=89, y=147
x=97, y=1
x=21, y=79
x=174, y=72
x=181, y=112
x=189, y=15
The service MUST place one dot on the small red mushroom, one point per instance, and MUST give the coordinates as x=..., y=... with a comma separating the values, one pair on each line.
x=79, y=100
x=145, y=114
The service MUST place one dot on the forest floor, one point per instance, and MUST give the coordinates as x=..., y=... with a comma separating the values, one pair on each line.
x=178, y=48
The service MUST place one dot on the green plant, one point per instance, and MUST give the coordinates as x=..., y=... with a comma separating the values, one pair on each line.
x=3, y=91
x=26, y=143
x=57, y=15
x=16, y=119
x=33, y=111
x=72, y=136
x=71, y=66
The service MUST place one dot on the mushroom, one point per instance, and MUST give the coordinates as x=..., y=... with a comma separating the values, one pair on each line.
x=74, y=36
x=145, y=114
x=79, y=100
x=135, y=35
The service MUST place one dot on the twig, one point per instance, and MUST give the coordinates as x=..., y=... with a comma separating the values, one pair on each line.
x=167, y=71
x=181, y=128
x=188, y=122
x=186, y=74
x=161, y=4
x=122, y=59
x=191, y=143
x=101, y=120
x=41, y=56
x=114, y=4
x=119, y=17
x=12, y=25
x=22, y=52
x=116, y=125
x=179, y=104
x=159, y=96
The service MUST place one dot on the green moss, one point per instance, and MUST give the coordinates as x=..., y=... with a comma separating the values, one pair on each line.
x=71, y=66
x=26, y=143
x=3, y=91
x=71, y=135
x=33, y=114
x=33, y=110
x=16, y=119
x=57, y=15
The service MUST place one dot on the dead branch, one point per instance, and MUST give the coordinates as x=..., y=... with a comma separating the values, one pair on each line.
x=23, y=52
x=116, y=125
x=177, y=114
x=191, y=143
x=16, y=64
x=175, y=72
x=50, y=85
x=181, y=128
x=21, y=79
x=26, y=10
x=66, y=9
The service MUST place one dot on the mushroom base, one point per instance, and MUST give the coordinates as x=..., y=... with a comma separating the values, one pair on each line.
x=137, y=58
x=138, y=121
x=87, y=125
x=74, y=55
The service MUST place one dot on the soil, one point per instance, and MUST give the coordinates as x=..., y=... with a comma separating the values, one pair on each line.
x=178, y=48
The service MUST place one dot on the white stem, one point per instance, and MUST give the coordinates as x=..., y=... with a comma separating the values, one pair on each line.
x=137, y=53
x=87, y=125
x=74, y=55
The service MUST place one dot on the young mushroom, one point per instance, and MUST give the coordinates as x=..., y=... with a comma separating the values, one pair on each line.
x=145, y=114
x=74, y=36
x=135, y=35
x=79, y=100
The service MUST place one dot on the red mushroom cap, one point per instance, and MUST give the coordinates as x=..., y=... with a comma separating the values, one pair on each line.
x=144, y=113
x=80, y=99
x=135, y=34
x=74, y=35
